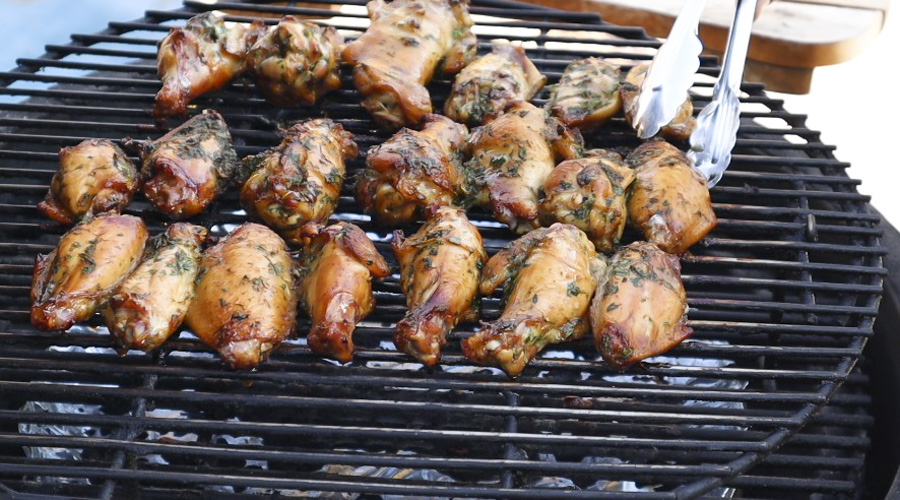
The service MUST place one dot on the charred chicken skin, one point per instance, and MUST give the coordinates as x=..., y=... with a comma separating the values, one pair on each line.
x=296, y=62
x=669, y=201
x=641, y=310
x=440, y=267
x=679, y=128
x=398, y=54
x=415, y=169
x=336, y=272
x=199, y=58
x=590, y=193
x=91, y=259
x=244, y=301
x=587, y=94
x=150, y=304
x=482, y=89
x=295, y=186
x=549, y=276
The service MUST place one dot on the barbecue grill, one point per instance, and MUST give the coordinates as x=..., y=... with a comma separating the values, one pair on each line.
x=783, y=296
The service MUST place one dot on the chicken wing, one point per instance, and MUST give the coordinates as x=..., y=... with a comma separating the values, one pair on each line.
x=187, y=168
x=295, y=186
x=244, y=301
x=415, y=169
x=94, y=176
x=150, y=304
x=398, y=54
x=669, y=201
x=641, y=310
x=548, y=276
x=513, y=155
x=587, y=94
x=679, y=128
x=590, y=193
x=78, y=276
x=482, y=89
x=296, y=62
x=440, y=267
x=336, y=272
x=199, y=58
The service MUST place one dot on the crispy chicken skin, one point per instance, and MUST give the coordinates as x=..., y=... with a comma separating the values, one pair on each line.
x=94, y=176
x=415, y=169
x=336, y=272
x=187, y=168
x=440, y=267
x=669, y=201
x=295, y=186
x=199, y=58
x=679, y=128
x=244, y=302
x=78, y=276
x=641, y=310
x=590, y=193
x=513, y=155
x=296, y=62
x=398, y=54
x=587, y=94
x=150, y=304
x=482, y=89
x=548, y=277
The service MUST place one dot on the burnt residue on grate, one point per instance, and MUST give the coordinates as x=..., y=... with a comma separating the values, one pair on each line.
x=783, y=295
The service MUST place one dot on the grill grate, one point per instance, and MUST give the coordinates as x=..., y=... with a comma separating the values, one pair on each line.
x=783, y=295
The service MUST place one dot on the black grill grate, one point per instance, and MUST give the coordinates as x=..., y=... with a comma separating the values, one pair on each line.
x=783, y=295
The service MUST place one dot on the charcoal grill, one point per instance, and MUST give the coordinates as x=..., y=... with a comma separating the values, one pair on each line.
x=783, y=296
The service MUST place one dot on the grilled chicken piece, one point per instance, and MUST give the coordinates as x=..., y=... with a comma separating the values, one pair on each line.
x=641, y=310
x=244, y=303
x=669, y=201
x=548, y=277
x=336, y=271
x=187, y=168
x=440, y=267
x=78, y=276
x=679, y=128
x=199, y=58
x=296, y=62
x=514, y=154
x=295, y=186
x=482, y=89
x=587, y=94
x=415, y=169
x=147, y=308
x=94, y=176
x=398, y=54
x=590, y=193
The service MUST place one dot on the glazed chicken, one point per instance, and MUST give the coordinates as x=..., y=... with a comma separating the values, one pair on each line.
x=150, y=304
x=186, y=169
x=199, y=58
x=587, y=94
x=641, y=310
x=94, y=176
x=295, y=186
x=244, y=301
x=482, y=89
x=336, y=272
x=590, y=193
x=415, y=169
x=296, y=62
x=548, y=277
x=679, y=128
x=76, y=278
x=440, y=267
x=669, y=201
x=398, y=54
x=513, y=155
